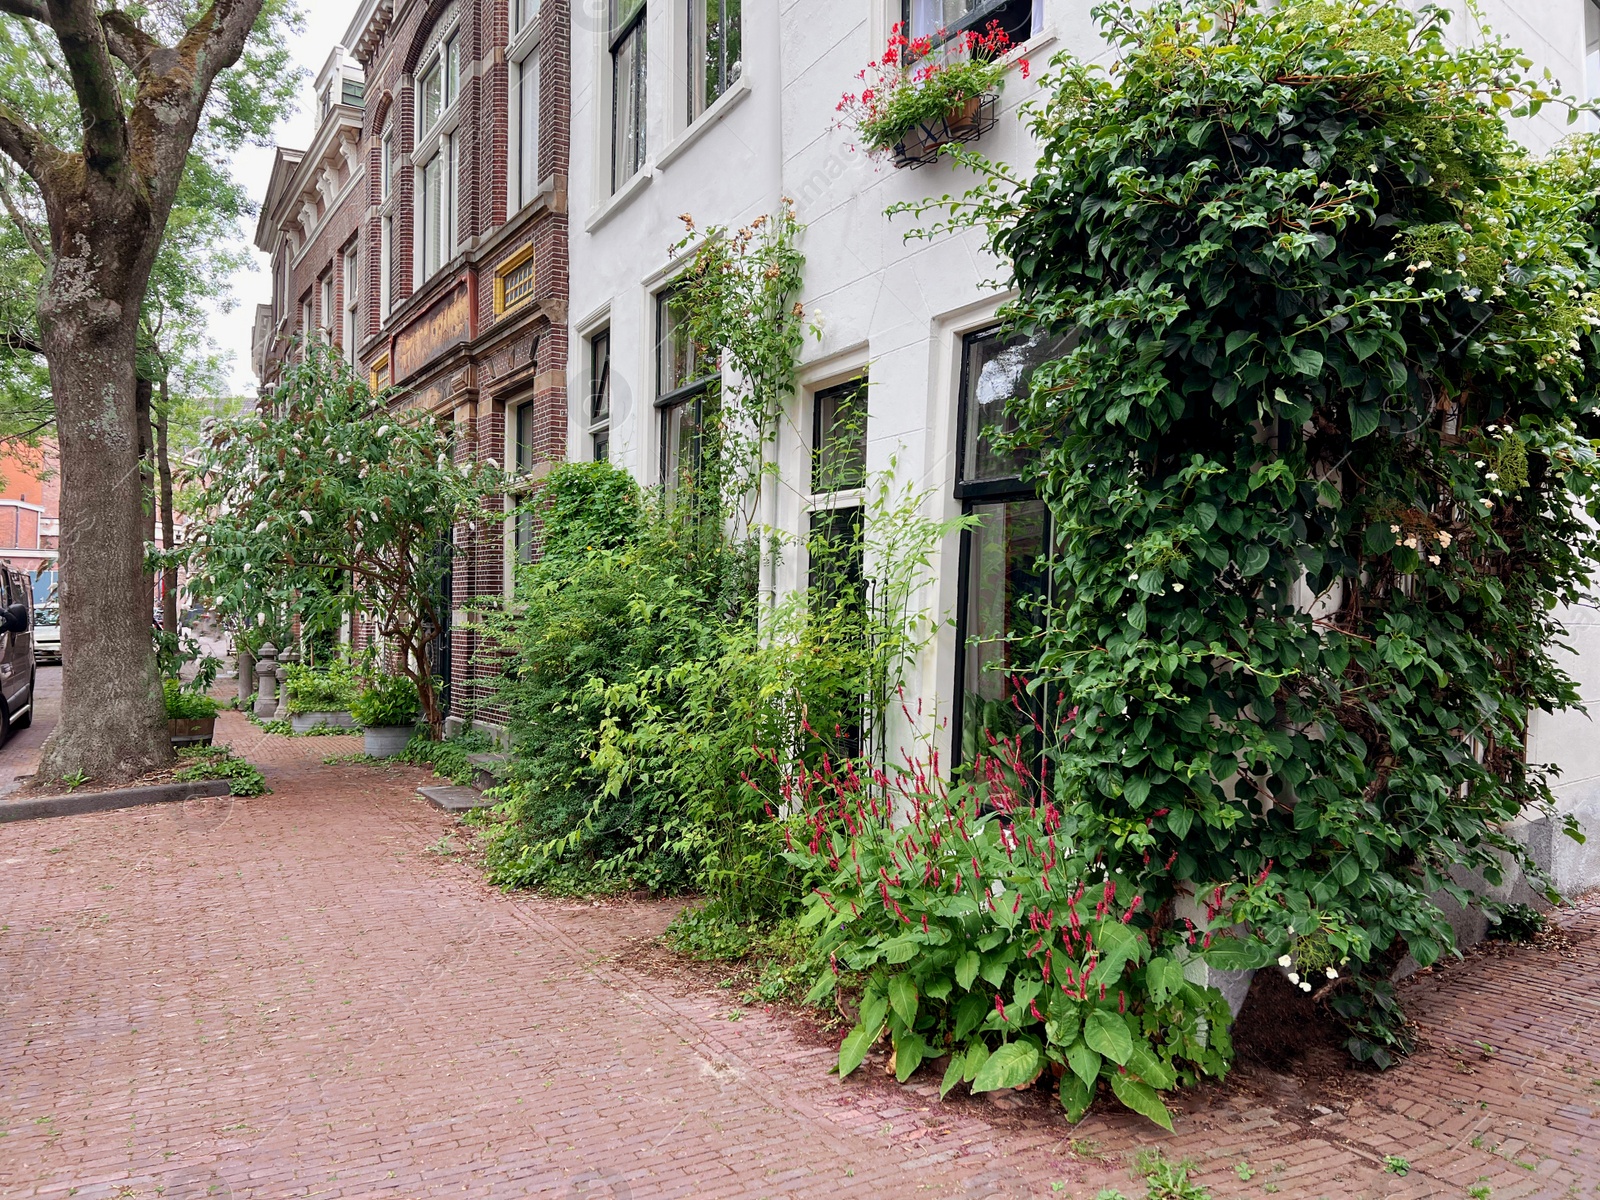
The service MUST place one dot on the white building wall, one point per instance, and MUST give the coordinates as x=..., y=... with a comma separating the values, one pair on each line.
x=893, y=309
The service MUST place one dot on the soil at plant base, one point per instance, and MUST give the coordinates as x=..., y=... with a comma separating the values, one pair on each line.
x=35, y=786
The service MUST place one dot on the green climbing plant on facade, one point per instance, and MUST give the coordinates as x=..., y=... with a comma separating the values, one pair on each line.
x=1317, y=463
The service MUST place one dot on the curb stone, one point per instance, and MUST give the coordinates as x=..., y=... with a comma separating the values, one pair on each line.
x=90, y=802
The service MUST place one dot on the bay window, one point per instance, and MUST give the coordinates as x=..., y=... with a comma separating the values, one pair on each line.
x=714, y=48
x=627, y=90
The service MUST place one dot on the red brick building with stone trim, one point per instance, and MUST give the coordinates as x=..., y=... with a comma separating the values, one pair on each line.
x=424, y=233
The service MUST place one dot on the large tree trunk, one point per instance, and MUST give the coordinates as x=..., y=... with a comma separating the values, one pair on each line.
x=169, y=575
x=113, y=724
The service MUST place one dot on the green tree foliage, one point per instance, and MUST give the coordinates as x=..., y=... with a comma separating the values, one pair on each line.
x=325, y=497
x=1314, y=463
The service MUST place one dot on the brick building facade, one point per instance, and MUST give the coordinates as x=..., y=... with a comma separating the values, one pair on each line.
x=424, y=233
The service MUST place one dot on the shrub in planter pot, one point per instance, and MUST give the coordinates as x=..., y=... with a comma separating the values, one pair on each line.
x=191, y=716
x=387, y=712
x=320, y=695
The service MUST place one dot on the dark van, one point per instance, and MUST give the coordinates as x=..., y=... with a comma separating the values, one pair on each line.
x=16, y=649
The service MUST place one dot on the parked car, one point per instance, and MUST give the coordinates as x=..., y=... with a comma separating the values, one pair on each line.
x=47, y=634
x=16, y=649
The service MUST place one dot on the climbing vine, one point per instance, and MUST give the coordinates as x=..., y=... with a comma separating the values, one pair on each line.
x=1316, y=465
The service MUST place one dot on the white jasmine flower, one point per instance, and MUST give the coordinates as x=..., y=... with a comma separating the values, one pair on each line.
x=1284, y=960
x=1434, y=559
x=1294, y=977
x=1389, y=257
x=1444, y=539
x=1480, y=464
x=1305, y=987
x=1394, y=529
x=1332, y=974
x=1491, y=475
x=1487, y=503
x=1177, y=587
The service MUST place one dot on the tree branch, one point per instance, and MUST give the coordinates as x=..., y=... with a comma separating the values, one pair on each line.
x=131, y=44
x=94, y=81
x=29, y=10
x=21, y=143
x=29, y=233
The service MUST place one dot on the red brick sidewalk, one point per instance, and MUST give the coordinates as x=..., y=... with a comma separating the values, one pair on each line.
x=308, y=994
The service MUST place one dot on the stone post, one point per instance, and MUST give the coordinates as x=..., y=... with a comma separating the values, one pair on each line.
x=247, y=675
x=267, y=673
x=287, y=658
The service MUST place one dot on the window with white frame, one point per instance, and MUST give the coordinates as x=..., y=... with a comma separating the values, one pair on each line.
x=385, y=268
x=307, y=324
x=714, y=51
x=600, y=396
x=351, y=292
x=386, y=165
x=627, y=90
x=522, y=455
x=327, y=307
x=437, y=90
x=522, y=178
x=942, y=20
x=523, y=13
x=1591, y=46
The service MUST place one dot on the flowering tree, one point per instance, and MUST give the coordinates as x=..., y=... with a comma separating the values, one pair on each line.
x=326, y=484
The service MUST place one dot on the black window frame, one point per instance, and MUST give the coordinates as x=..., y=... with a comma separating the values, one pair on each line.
x=822, y=439
x=693, y=392
x=600, y=394
x=973, y=493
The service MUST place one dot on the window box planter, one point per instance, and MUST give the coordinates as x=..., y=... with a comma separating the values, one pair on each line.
x=966, y=122
x=386, y=741
x=191, y=731
x=307, y=721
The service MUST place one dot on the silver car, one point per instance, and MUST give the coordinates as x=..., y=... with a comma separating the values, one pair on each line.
x=47, y=634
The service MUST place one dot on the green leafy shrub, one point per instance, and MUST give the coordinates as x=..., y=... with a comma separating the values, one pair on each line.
x=183, y=705
x=986, y=936
x=332, y=687
x=389, y=700
x=218, y=762
x=448, y=758
x=1315, y=462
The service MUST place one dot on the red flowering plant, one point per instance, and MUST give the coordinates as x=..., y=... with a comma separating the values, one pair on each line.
x=922, y=81
x=988, y=938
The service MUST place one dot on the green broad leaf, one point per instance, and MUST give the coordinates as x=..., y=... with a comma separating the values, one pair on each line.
x=1307, y=361
x=854, y=1049
x=1063, y=1026
x=1142, y=1099
x=1364, y=419
x=1364, y=343
x=1085, y=1063
x=970, y=1013
x=952, y=1074
x=1179, y=821
x=1205, y=515
x=1157, y=981
x=815, y=915
x=1012, y=1065
x=1379, y=538
x=1076, y=1096
x=1236, y=339
x=901, y=949
x=1118, y=946
x=903, y=998
x=824, y=987
x=1107, y=1033
x=995, y=967
x=1024, y=991
x=909, y=1051
x=1151, y=1069
x=972, y=1061
x=967, y=969
x=938, y=988
x=990, y=940
x=1253, y=559
x=874, y=1008
x=1229, y=953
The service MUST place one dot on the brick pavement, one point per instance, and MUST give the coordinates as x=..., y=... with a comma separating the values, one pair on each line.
x=311, y=994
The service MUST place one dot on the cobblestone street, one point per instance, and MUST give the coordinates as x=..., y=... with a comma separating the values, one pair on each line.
x=312, y=994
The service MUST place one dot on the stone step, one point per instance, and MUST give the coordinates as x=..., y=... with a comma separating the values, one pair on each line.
x=488, y=769
x=453, y=799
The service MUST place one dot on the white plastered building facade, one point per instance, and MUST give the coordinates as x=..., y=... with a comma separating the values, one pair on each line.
x=651, y=140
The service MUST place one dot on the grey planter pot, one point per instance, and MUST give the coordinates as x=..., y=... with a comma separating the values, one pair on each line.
x=306, y=722
x=385, y=741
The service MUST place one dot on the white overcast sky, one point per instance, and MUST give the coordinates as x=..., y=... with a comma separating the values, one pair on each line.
x=325, y=23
